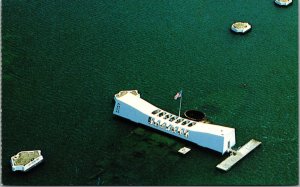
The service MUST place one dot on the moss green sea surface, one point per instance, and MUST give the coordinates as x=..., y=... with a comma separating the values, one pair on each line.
x=63, y=61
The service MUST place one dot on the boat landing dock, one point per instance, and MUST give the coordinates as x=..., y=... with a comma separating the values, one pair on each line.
x=238, y=155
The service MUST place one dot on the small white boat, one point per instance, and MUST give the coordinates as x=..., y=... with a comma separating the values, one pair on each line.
x=283, y=2
x=25, y=160
x=240, y=27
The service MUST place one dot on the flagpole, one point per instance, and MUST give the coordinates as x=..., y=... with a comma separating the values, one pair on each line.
x=180, y=103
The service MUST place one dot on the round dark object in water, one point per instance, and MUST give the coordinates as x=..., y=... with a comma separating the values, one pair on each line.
x=194, y=115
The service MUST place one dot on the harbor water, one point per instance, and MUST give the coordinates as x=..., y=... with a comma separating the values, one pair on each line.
x=63, y=61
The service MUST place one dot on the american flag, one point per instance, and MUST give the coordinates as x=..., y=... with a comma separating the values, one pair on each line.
x=178, y=95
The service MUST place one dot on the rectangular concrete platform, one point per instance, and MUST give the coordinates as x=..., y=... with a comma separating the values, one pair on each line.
x=238, y=155
x=184, y=150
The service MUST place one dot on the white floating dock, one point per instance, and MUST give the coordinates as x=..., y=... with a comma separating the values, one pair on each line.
x=184, y=150
x=238, y=155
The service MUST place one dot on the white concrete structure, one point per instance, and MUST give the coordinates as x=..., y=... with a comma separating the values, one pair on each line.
x=129, y=105
x=240, y=27
x=25, y=160
x=283, y=2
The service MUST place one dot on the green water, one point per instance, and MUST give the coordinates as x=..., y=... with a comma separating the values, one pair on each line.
x=63, y=62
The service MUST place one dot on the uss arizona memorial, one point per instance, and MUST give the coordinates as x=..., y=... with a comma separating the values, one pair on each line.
x=129, y=105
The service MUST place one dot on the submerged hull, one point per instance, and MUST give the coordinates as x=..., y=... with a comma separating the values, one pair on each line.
x=129, y=105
